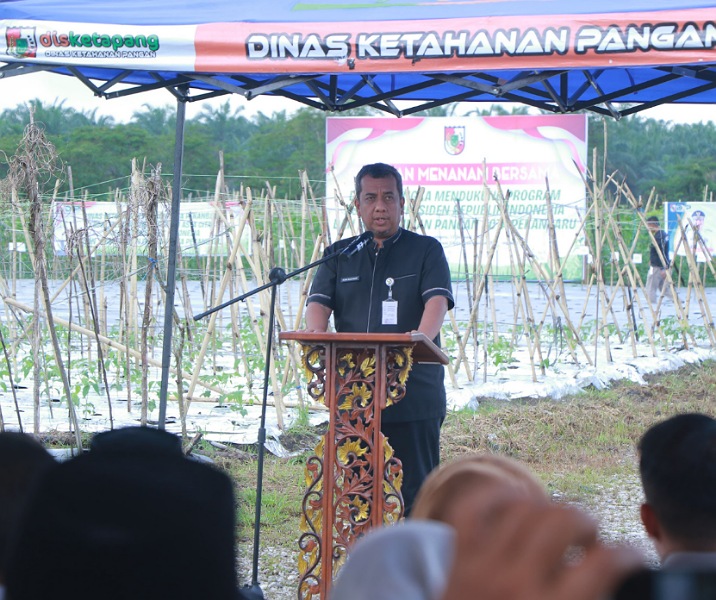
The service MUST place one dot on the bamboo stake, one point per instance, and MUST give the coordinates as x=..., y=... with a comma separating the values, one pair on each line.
x=12, y=386
x=147, y=206
x=520, y=310
x=212, y=318
x=699, y=290
x=95, y=324
x=481, y=287
x=552, y=300
x=36, y=148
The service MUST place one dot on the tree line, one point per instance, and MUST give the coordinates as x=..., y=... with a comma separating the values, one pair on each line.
x=676, y=160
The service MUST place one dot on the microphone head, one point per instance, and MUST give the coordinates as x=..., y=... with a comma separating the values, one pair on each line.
x=356, y=245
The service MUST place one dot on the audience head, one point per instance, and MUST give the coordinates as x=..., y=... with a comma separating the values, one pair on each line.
x=483, y=481
x=22, y=460
x=677, y=463
x=132, y=518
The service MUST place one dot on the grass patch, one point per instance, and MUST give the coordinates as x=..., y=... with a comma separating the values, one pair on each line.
x=577, y=445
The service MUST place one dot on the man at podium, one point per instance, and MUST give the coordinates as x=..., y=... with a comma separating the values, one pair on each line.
x=398, y=283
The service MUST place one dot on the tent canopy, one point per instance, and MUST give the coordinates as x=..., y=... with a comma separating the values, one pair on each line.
x=557, y=55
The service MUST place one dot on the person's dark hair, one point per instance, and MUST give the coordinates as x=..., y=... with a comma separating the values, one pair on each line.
x=698, y=213
x=653, y=219
x=378, y=171
x=22, y=461
x=132, y=518
x=677, y=464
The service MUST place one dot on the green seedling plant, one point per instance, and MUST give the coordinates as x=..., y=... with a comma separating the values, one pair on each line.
x=500, y=350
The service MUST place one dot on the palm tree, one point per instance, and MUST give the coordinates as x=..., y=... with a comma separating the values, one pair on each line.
x=157, y=120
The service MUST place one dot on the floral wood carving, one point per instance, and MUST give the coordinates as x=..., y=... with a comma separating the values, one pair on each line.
x=353, y=481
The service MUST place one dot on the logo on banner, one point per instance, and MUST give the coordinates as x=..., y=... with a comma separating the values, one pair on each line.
x=21, y=42
x=454, y=140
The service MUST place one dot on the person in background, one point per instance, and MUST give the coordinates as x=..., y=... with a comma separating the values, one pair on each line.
x=22, y=460
x=677, y=465
x=658, y=260
x=399, y=283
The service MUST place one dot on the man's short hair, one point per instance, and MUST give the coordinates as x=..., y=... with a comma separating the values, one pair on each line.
x=698, y=213
x=378, y=171
x=653, y=219
x=677, y=464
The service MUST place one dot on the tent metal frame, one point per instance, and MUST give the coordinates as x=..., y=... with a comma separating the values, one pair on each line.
x=560, y=91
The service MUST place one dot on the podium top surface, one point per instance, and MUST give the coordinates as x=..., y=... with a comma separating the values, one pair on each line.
x=424, y=351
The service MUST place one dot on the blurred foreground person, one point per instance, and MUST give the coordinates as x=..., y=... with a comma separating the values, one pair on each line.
x=22, y=460
x=131, y=519
x=481, y=528
x=677, y=464
x=478, y=481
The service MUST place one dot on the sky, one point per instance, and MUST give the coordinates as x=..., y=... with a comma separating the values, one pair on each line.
x=51, y=88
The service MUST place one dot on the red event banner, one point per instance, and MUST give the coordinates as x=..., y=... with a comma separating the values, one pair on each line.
x=539, y=41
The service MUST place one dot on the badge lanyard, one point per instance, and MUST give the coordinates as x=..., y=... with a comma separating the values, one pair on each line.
x=390, y=305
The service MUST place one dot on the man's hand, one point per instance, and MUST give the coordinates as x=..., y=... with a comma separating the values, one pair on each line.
x=317, y=316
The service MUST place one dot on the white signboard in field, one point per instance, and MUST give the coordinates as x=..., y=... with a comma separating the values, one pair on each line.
x=201, y=228
x=458, y=161
x=692, y=229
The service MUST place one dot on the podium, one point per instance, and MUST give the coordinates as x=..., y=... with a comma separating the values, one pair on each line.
x=353, y=480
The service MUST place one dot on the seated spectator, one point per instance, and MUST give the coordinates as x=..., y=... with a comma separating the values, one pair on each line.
x=478, y=479
x=463, y=520
x=22, y=460
x=131, y=519
x=412, y=560
x=677, y=464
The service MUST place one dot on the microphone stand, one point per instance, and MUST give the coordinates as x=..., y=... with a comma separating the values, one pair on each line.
x=276, y=277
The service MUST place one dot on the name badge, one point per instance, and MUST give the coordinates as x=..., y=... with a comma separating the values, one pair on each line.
x=390, y=312
x=350, y=279
x=390, y=305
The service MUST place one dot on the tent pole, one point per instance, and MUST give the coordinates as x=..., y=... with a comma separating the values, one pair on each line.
x=172, y=258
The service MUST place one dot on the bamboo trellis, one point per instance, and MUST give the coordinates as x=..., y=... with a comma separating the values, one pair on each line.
x=219, y=360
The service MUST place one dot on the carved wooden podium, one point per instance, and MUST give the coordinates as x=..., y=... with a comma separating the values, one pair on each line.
x=353, y=481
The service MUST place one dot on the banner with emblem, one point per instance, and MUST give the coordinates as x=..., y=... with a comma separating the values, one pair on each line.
x=692, y=229
x=456, y=161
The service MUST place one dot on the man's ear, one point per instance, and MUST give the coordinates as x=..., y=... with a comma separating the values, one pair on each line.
x=650, y=522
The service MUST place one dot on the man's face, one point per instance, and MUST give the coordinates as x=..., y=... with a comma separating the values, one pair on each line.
x=380, y=207
x=653, y=226
x=698, y=221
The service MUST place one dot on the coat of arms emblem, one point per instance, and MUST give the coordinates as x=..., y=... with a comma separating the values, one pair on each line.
x=21, y=42
x=454, y=140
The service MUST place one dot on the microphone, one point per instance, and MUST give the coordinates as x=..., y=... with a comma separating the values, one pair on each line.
x=356, y=245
